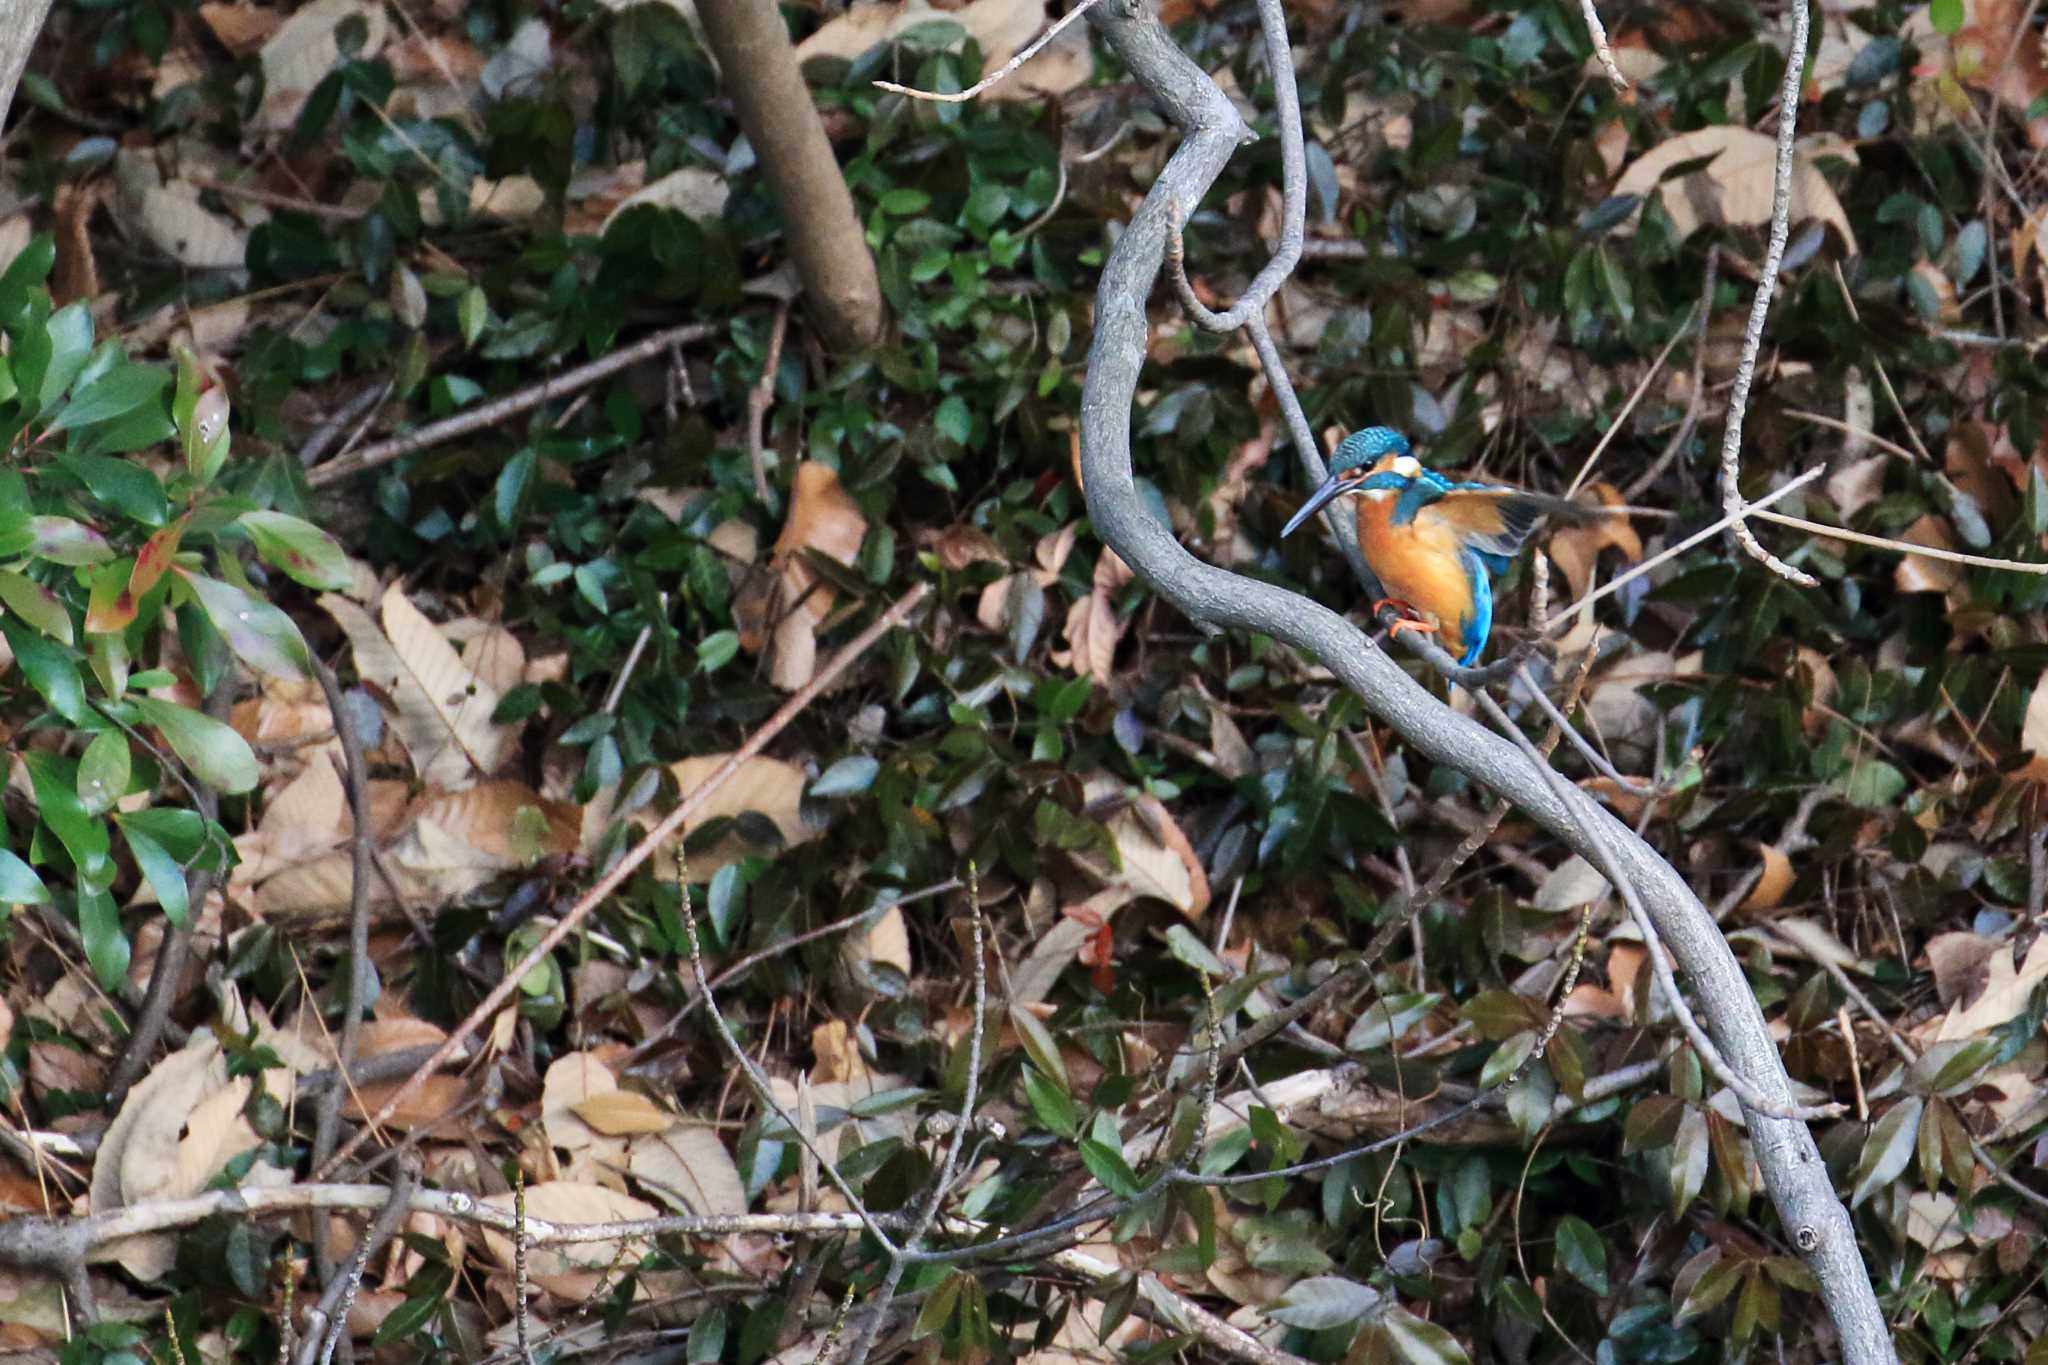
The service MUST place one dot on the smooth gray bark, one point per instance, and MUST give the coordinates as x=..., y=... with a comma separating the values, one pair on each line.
x=1813, y=1218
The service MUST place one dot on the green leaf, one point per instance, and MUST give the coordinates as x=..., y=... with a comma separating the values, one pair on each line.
x=1050, y=1104
x=850, y=776
x=30, y=266
x=64, y=541
x=1420, y=1343
x=69, y=332
x=49, y=668
x=301, y=549
x=19, y=884
x=1107, y=1164
x=54, y=780
x=1872, y=784
x=166, y=877
x=1323, y=1301
x=103, y=771
x=513, y=481
x=106, y=947
x=1505, y=1059
x=1946, y=16
x=1713, y=1285
x=116, y=393
x=260, y=635
x=123, y=485
x=716, y=650
x=35, y=604
x=953, y=421
x=472, y=313
x=1887, y=1149
x=216, y=755
x=1581, y=1253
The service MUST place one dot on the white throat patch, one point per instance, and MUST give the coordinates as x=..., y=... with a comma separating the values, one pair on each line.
x=1407, y=466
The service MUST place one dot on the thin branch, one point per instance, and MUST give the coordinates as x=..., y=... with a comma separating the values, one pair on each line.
x=1696, y=396
x=356, y=776
x=759, y=399
x=897, y=613
x=1904, y=547
x=1001, y=73
x=490, y=414
x=1601, y=47
x=327, y=1321
x=1760, y=306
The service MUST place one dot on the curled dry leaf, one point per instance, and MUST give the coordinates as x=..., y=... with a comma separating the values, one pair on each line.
x=1961, y=963
x=571, y=1081
x=2006, y=992
x=1775, y=881
x=1093, y=630
x=241, y=29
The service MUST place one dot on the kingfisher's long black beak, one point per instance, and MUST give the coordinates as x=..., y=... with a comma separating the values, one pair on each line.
x=1332, y=487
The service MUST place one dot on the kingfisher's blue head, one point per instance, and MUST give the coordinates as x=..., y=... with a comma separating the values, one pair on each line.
x=1364, y=449
x=1373, y=460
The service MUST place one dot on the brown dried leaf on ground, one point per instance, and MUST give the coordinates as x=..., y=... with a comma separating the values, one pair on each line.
x=305, y=49
x=762, y=786
x=575, y=1271
x=1734, y=189
x=1093, y=630
x=1918, y=573
x=686, y=1167
x=443, y=709
x=1576, y=549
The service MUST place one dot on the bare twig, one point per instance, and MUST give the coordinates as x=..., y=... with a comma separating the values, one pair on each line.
x=356, y=776
x=897, y=613
x=759, y=399
x=1601, y=47
x=490, y=414
x=327, y=1321
x=1904, y=547
x=1760, y=307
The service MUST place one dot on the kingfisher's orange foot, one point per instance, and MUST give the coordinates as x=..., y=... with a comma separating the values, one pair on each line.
x=1396, y=603
x=1410, y=623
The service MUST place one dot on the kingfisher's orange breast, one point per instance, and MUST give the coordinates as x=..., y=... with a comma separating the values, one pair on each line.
x=1421, y=562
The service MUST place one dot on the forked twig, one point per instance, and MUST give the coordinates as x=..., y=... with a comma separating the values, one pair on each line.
x=1001, y=73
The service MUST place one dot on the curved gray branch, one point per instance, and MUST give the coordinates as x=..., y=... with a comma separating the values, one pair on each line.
x=1813, y=1217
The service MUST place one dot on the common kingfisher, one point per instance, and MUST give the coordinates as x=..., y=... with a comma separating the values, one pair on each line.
x=1432, y=541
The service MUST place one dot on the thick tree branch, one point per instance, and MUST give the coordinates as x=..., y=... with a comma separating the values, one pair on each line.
x=1814, y=1219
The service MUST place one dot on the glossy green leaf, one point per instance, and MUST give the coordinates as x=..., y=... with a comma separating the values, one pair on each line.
x=35, y=604
x=19, y=884
x=166, y=877
x=216, y=755
x=261, y=636
x=1581, y=1253
x=106, y=945
x=1887, y=1149
x=304, y=551
x=103, y=771
x=64, y=541
x=49, y=668
x=118, y=392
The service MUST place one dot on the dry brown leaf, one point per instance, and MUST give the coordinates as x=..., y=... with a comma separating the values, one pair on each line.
x=765, y=786
x=1576, y=549
x=623, y=1113
x=175, y=222
x=1227, y=743
x=241, y=29
x=835, y=1053
x=1778, y=876
x=888, y=942
x=1735, y=188
x=1158, y=859
x=692, y=191
x=431, y=1108
x=571, y=1080
x=823, y=517
x=2006, y=992
x=960, y=545
x=76, y=274
x=1918, y=573
x=1000, y=27
x=300, y=54
x=1092, y=629
x=688, y=1168
x=1961, y=963
x=573, y=1271
x=443, y=709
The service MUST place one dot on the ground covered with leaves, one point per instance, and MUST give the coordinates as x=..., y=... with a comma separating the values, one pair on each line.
x=330, y=690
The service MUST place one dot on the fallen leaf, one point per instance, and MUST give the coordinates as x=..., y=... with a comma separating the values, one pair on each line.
x=2006, y=991
x=1918, y=573
x=1776, y=880
x=304, y=49
x=573, y=1271
x=687, y=1167
x=1092, y=629
x=623, y=1113
x=763, y=786
x=1734, y=189
x=1576, y=549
